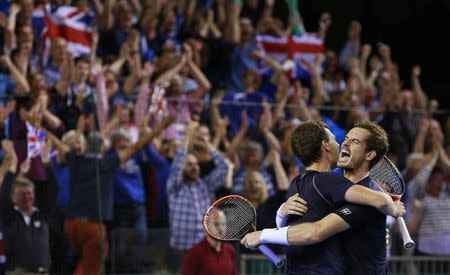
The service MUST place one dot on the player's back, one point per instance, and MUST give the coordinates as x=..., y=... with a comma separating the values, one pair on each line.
x=364, y=244
x=324, y=192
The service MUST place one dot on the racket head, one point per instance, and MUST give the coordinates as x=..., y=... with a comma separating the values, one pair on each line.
x=388, y=178
x=230, y=218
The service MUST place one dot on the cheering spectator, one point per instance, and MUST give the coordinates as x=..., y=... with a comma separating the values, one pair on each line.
x=85, y=217
x=189, y=197
x=26, y=228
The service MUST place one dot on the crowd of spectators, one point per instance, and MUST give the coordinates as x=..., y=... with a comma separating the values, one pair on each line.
x=177, y=103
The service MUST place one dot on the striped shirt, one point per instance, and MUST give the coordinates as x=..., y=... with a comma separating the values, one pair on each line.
x=434, y=230
x=188, y=201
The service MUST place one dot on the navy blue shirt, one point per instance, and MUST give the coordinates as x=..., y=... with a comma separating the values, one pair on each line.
x=91, y=180
x=364, y=244
x=325, y=192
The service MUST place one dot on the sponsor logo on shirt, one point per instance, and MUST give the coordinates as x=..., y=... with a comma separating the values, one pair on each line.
x=345, y=211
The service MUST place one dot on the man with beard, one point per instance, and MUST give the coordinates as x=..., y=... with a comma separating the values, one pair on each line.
x=364, y=245
x=189, y=197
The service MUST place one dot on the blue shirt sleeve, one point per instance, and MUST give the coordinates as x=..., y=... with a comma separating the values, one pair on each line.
x=332, y=187
x=353, y=214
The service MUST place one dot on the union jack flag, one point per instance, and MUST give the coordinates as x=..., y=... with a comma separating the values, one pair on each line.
x=299, y=49
x=36, y=139
x=74, y=24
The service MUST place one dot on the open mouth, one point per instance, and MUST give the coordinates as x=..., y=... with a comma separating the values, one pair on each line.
x=344, y=156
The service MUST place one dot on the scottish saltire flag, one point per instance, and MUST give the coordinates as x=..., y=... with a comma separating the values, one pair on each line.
x=36, y=139
x=2, y=255
x=74, y=24
x=298, y=49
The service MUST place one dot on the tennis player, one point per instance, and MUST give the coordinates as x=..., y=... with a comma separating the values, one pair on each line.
x=326, y=193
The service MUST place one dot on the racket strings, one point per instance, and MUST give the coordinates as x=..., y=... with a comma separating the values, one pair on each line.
x=387, y=177
x=231, y=219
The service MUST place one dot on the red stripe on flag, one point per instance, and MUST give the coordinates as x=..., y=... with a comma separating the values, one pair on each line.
x=274, y=47
x=308, y=48
x=75, y=13
x=77, y=36
x=2, y=248
x=53, y=30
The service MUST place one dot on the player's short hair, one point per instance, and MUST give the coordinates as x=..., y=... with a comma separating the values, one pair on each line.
x=377, y=140
x=306, y=141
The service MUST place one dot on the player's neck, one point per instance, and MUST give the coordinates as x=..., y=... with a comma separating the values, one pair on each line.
x=320, y=166
x=356, y=175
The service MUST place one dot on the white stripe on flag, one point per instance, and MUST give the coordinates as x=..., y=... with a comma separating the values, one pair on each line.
x=272, y=39
x=2, y=259
x=78, y=49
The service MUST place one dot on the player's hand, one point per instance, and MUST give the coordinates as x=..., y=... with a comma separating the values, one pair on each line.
x=252, y=240
x=400, y=210
x=295, y=205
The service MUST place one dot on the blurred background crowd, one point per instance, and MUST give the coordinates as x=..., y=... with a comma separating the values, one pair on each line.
x=122, y=121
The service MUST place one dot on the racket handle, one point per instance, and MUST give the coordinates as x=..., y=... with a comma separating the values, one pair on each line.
x=277, y=261
x=407, y=241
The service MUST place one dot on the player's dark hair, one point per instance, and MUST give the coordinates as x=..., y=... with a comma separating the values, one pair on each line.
x=306, y=141
x=377, y=140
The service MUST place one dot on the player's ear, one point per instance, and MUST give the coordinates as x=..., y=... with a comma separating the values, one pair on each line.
x=326, y=145
x=371, y=155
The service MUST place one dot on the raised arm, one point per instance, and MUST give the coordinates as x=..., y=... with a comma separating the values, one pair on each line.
x=218, y=176
x=197, y=74
x=62, y=148
x=232, y=29
x=420, y=98
x=295, y=18
x=176, y=170
x=21, y=80
x=280, y=174
x=265, y=124
x=127, y=153
x=9, y=165
x=353, y=43
x=239, y=137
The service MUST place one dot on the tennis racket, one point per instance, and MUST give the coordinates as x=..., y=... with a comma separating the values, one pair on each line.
x=231, y=218
x=389, y=179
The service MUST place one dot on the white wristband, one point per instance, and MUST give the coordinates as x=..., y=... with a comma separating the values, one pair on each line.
x=275, y=236
x=280, y=219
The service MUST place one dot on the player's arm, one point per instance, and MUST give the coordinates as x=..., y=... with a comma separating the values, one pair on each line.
x=310, y=233
x=299, y=234
x=336, y=190
x=383, y=202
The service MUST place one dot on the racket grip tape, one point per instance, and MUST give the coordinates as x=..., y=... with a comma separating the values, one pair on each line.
x=274, y=258
x=407, y=241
